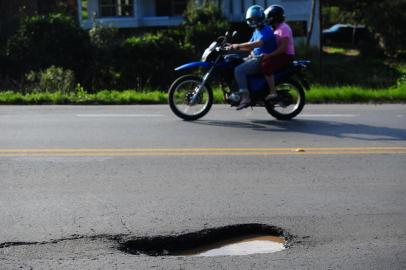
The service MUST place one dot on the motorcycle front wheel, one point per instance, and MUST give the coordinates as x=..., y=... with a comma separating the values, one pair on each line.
x=290, y=102
x=181, y=101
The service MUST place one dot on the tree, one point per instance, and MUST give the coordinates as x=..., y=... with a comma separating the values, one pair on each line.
x=385, y=19
x=67, y=7
x=203, y=23
x=10, y=14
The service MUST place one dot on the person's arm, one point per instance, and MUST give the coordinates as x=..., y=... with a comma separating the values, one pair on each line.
x=283, y=45
x=248, y=46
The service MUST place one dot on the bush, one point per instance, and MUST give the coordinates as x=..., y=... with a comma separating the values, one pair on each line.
x=135, y=62
x=203, y=24
x=3, y=67
x=53, y=79
x=43, y=41
x=103, y=37
x=149, y=60
x=105, y=43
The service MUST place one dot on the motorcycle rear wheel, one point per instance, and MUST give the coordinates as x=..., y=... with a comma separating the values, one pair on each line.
x=180, y=98
x=291, y=100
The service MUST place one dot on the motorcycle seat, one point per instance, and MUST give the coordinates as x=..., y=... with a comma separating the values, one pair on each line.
x=296, y=65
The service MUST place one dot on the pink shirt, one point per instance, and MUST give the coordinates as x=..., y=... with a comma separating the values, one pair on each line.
x=283, y=30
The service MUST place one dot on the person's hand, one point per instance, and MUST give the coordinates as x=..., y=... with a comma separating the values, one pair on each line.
x=265, y=56
x=235, y=46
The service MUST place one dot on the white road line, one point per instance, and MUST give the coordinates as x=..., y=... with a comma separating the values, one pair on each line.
x=327, y=115
x=119, y=115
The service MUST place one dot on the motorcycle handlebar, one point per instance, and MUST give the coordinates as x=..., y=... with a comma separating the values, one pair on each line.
x=224, y=41
x=223, y=49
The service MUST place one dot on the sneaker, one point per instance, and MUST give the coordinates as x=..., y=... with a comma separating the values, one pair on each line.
x=271, y=97
x=245, y=102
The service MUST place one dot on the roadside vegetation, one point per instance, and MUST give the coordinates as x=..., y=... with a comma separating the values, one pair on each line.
x=49, y=59
x=317, y=94
x=83, y=97
x=344, y=80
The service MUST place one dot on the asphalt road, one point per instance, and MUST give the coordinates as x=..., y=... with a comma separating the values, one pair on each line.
x=74, y=177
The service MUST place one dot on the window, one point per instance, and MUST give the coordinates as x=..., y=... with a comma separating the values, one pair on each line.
x=116, y=8
x=170, y=7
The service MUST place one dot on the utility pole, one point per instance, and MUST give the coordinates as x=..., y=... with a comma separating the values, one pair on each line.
x=310, y=27
x=321, y=39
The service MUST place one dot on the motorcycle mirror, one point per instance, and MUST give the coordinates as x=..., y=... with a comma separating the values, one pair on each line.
x=227, y=34
x=220, y=39
x=234, y=34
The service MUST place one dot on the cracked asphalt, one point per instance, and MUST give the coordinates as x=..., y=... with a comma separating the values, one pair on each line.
x=65, y=200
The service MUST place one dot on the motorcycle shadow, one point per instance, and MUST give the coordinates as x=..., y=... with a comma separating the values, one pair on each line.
x=316, y=127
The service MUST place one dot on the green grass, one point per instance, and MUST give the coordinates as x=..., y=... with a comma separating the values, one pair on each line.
x=317, y=94
x=82, y=97
x=340, y=50
x=351, y=94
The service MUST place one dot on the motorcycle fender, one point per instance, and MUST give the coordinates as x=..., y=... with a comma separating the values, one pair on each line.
x=193, y=65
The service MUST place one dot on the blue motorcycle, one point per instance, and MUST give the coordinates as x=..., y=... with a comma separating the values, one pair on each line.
x=191, y=97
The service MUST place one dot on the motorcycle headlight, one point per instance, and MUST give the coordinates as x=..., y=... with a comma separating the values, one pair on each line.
x=208, y=51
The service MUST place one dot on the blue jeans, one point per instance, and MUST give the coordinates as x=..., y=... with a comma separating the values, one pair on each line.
x=250, y=66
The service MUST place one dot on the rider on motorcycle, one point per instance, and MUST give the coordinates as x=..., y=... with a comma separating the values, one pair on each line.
x=263, y=41
x=285, y=52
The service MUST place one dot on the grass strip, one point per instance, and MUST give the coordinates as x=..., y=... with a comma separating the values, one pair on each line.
x=317, y=94
x=351, y=94
x=104, y=97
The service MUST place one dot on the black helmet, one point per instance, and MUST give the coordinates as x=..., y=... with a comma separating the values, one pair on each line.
x=274, y=14
x=255, y=16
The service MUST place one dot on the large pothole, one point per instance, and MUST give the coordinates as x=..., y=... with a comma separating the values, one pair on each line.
x=232, y=240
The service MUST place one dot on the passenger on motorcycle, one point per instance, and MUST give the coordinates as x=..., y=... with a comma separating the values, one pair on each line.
x=262, y=42
x=285, y=52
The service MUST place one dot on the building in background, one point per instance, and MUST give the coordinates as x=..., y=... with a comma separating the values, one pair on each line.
x=164, y=13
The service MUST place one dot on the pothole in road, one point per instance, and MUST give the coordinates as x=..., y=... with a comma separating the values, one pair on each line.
x=233, y=240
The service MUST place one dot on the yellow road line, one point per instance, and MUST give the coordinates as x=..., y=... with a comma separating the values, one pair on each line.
x=193, y=149
x=199, y=151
